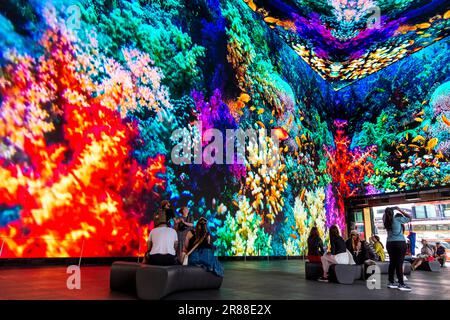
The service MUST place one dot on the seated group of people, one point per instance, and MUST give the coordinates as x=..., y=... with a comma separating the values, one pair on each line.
x=430, y=253
x=171, y=246
x=353, y=251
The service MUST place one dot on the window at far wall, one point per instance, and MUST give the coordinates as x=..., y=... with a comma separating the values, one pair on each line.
x=420, y=212
x=446, y=210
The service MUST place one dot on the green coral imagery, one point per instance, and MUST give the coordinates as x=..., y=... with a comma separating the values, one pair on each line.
x=92, y=91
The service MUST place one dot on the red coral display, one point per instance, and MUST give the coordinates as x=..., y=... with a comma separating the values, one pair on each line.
x=348, y=167
x=82, y=186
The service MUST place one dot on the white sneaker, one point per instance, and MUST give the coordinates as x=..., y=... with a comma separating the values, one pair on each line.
x=405, y=278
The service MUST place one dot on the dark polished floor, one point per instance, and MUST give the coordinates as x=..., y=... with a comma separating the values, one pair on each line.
x=255, y=280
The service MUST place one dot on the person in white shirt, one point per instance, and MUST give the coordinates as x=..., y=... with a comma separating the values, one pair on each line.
x=162, y=243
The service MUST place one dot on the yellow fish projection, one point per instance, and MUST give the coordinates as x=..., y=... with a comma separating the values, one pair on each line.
x=425, y=129
x=418, y=119
x=271, y=20
x=424, y=25
x=297, y=139
x=244, y=97
x=446, y=120
x=289, y=122
x=293, y=236
x=418, y=138
x=447, y=15
x=251, y=4
x=302, y=194
x=260, y=124
x=432, y=143
x=261, y=111
x=417, y=49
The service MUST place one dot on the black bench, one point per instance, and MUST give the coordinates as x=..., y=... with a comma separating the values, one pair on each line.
x=313, y=270
x=122, y=276
x=155, y=282
x=433, y=266
x=345, y=273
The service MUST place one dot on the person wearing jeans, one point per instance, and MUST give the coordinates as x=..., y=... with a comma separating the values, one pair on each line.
x=396, y=245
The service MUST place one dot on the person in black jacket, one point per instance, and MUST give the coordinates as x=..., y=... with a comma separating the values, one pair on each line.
x=338, y=254
x=315, y=246
x=358, y=248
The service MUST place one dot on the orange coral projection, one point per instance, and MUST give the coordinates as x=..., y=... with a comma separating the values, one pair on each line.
x=85, y=186
x=347, y=167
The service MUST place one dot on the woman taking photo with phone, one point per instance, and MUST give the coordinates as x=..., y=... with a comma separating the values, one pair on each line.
x=396, y=244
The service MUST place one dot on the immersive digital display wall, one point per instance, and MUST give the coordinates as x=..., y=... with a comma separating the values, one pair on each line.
x=99, y=98
x=346, y=40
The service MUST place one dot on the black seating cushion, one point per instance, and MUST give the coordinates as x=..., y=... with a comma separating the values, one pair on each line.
x=156, y=282
x=345, y=273
x=122, y=276
x=313, y=270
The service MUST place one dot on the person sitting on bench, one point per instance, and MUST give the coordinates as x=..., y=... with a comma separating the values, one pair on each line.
x=426, y=254
x=162, y=243
x=315, y=246
x=440, y=254
x=338, y=255
x=357, y=247
x=378, y=248
x=199, y=251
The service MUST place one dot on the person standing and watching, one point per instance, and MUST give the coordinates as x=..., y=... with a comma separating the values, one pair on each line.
x=396, y=244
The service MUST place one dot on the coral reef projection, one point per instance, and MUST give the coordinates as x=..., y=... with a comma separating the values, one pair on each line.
x=346, y=40
x=109, y=107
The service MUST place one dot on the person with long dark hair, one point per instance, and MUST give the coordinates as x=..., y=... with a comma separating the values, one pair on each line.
x=198, y=249
x=338, y=254
x=396, y=244
x=315, y=246
x=358, y=248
